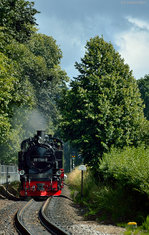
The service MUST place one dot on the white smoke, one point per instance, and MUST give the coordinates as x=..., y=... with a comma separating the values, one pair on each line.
x=36, y=121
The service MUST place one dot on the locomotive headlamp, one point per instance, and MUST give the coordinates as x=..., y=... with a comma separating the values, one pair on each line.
x=58, y=173
x=22, y=172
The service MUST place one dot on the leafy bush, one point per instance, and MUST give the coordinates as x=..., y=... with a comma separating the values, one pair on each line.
x=129, y=167
x=145, y=225
x=122, y=194
x=102, y=201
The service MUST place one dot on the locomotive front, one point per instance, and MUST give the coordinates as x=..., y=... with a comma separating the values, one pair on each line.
x=40, y=165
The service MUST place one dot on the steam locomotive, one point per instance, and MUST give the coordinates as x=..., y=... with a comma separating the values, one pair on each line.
x=40, y=164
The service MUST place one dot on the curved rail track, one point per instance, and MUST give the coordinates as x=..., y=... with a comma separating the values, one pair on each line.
x=31, y=220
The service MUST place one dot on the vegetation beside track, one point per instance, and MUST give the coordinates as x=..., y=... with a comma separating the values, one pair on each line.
x=121, y=194
x=13, y=188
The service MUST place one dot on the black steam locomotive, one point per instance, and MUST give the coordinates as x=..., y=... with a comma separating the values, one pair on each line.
x=41, y=166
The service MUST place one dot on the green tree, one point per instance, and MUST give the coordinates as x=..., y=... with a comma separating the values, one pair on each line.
x=143, y=85
x=52, y=78
x=103, y=106
x=46, y=47
x=17, y=19
x=31, y=76
x=39, y=63
x=15, y=94
x=7, y=83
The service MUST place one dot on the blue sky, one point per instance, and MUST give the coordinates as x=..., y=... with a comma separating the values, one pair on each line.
x=125, y=23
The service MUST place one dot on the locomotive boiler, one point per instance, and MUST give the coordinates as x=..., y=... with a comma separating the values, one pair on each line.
x=40, y=164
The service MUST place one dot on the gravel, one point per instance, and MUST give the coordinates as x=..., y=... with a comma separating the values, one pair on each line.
x=8, y=208
x=66, y=214
x=63, y=211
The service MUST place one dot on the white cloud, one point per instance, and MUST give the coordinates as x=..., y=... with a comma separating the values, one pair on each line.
x=134, y=46
x=138, y=23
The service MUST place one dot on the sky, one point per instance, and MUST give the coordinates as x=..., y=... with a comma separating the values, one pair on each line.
x=124, y=23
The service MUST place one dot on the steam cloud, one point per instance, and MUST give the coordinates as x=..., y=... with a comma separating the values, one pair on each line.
x=36, y=121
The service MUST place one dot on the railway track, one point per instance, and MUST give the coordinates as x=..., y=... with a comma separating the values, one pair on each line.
x=31, y=220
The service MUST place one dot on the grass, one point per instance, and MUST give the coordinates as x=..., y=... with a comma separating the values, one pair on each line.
x=89, y=186
x=115, y=200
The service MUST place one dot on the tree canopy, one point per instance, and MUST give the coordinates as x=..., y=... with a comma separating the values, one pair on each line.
x=17, y=18
x=7, y=83
x=30, y=77
x=50, y=77
x=143, y=85
x=103, y=106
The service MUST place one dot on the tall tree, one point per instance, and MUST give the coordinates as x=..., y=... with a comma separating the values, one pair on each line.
x=143, y=85
x=39, y=62
x=17, y=23
x=17, y=18
x=103, y=106
x=48, y=85
x=30, y=75
x=7, y=83
x=15, y=94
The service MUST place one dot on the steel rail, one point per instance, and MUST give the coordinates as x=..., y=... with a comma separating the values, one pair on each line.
x=50, y=226
x=21, y=228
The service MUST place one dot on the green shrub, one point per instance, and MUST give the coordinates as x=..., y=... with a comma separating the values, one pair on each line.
x=130, y=167
x=103, y=201
x=145, y=224
x=122, y=194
